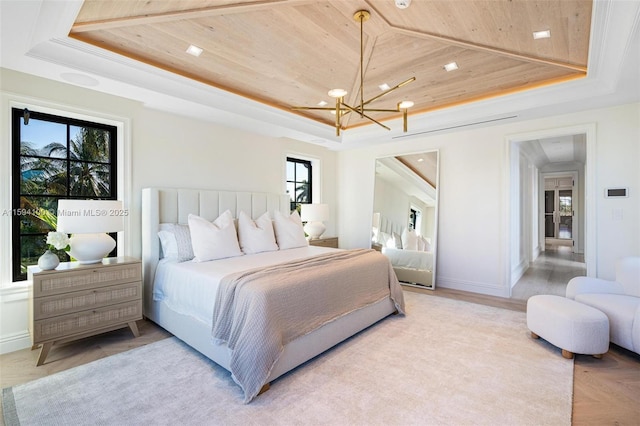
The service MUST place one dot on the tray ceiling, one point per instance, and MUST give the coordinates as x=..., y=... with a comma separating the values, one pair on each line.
x=291, y=52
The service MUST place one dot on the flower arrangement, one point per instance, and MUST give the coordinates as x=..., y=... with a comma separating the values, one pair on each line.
x=58, y=241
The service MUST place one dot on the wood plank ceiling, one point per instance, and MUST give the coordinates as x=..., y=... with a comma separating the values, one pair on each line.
x=291, y=52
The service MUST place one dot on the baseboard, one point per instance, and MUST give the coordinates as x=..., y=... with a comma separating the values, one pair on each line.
x=473, y=287
x=15, y=342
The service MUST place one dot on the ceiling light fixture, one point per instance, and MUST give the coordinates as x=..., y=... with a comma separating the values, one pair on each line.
x=451, y=66
x=403, y=4
x=541, y=34
x=341, y=108
x=194, y=50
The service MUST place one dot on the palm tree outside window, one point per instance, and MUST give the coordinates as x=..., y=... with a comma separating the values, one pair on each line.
x=55, y=158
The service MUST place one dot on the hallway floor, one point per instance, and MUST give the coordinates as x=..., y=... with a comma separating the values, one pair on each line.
x=550, y=273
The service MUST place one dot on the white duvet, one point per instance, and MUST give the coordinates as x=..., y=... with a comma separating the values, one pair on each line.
x=190, y=288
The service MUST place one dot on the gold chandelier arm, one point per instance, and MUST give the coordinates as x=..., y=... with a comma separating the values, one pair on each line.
x=397, y=86
x=313, y=108
x=366, y=116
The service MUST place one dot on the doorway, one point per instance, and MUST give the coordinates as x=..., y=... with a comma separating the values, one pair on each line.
x=551, y=199
x=561, y=210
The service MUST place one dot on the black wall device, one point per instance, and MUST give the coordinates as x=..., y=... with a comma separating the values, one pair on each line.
x=616, y=192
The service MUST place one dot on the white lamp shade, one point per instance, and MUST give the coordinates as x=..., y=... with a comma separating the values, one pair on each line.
x=90, y=216
x=314, y=212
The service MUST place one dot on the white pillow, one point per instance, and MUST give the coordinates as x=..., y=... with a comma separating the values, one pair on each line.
x=175, y=241
x=409, y=239
x=216, y=240
x=289, y=232
x=258, y=236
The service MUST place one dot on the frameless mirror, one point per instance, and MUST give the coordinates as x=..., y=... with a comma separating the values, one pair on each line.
x=405, y=215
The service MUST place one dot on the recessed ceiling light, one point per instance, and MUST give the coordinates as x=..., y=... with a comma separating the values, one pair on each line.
x=451, y=66
x=384, y=86
x=194, y=50
x=322, y=103
x=420, y=160
x=541, y=34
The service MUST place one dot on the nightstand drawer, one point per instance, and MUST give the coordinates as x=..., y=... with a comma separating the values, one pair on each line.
x=80, y=322
x=61, y=304
x=325, y=242
x=84, y=279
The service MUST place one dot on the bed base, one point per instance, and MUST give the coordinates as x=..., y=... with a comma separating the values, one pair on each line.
x=197, y=334
x=415, y=277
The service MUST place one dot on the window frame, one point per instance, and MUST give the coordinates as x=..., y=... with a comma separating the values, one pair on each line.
x=9, y=100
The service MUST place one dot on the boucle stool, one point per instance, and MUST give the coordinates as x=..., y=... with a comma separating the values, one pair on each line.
x=569, y=325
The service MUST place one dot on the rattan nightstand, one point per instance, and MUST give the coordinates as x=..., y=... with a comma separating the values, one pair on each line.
x=75, y=301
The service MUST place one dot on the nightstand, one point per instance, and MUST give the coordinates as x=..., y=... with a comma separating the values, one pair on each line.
x=325, y=242
x=75, y=301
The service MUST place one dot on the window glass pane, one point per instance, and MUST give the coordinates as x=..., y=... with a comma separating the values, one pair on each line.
x=291, y=190
x=302, y=173
x=89, y=144
x=37, y=214
x=291, y=167
x=89, y=179
x=31, y=248
x=43, y=138
x=42, y=176
x=302, y=193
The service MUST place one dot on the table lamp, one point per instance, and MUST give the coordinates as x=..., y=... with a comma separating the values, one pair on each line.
x=314, y=215
x=88, y=222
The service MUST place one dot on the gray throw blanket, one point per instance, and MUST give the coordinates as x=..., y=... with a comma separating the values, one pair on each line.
x=257, y=312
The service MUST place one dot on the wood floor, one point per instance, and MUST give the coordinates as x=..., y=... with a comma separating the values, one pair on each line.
x=606, y=391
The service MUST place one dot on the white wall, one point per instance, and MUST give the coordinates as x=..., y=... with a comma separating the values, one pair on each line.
x=473, y=232
x=165, y=150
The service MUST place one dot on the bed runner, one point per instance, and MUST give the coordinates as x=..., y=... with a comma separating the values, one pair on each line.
x=258, y=312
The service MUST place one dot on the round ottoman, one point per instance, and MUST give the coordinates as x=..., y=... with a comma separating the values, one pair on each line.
x=573, y=327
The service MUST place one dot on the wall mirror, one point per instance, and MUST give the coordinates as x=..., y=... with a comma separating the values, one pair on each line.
x=405, y=215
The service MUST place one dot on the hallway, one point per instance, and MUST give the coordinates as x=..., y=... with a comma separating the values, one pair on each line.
x=550, y=273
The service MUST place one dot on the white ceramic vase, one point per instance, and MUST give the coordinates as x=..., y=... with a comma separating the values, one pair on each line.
x=48, y=261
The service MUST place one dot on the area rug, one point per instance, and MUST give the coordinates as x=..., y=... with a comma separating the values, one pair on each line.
x=446, y=362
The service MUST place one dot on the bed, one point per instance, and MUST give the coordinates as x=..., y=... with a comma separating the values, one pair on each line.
x=412, y=267
x=187, y=315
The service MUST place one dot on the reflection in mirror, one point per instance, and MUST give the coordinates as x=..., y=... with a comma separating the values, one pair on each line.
x=405, y=218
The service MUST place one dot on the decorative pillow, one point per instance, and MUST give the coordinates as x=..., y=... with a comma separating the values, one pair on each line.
x=427, y=243
x=214, y=240
x=384, y=238
x=258, y=236
x=289, y=232
x=409, y=239
x=175, y=241
x=397, y=239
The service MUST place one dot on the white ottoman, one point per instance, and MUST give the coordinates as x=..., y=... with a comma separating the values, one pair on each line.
x=569, y=325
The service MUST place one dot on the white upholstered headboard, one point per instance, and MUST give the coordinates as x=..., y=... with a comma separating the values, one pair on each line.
x=171, y=205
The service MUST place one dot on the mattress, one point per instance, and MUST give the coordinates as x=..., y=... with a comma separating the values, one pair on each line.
x=411, y=259
x=190, y=288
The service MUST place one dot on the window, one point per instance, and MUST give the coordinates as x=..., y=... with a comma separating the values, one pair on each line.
x=54, y=158
x=299, y=185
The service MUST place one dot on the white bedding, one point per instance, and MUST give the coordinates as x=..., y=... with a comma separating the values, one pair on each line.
x=411, y=259
x=190, y=288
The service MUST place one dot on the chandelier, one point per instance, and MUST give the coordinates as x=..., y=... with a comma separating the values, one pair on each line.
x=341, y=109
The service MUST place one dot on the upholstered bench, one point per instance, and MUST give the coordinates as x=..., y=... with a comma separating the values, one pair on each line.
x=573, y=327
